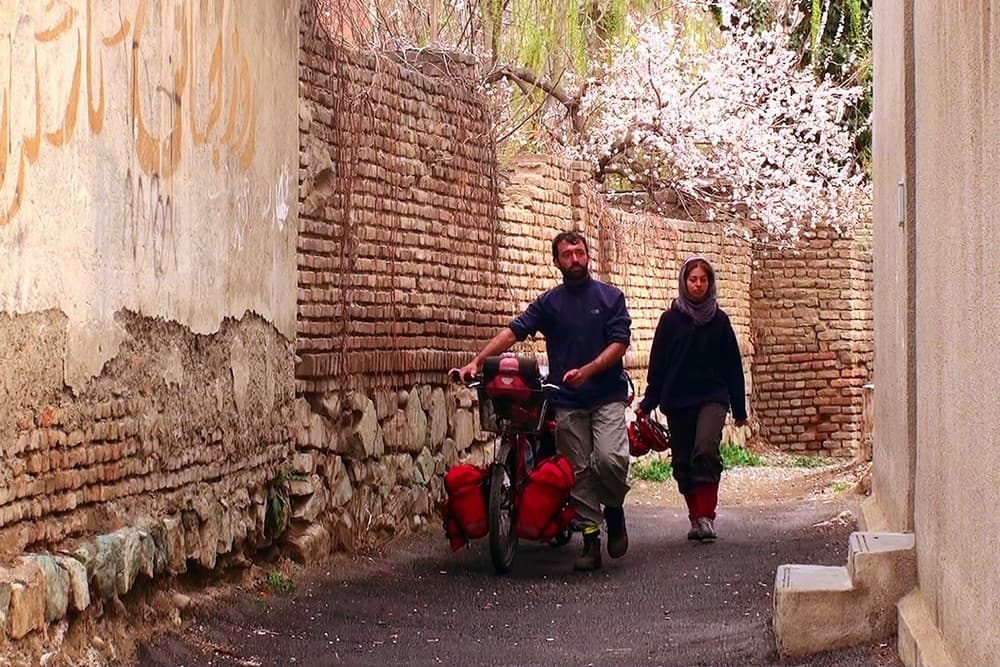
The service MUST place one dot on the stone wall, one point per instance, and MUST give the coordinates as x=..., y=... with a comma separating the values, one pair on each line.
x=383, y=441
x=812, y=320
x=179, y=436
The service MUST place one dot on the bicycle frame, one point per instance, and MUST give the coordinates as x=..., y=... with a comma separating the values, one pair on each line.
x=527, y=441
x=519, y=444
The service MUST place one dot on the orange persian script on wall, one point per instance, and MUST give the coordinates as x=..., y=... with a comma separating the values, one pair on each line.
x=61, y=27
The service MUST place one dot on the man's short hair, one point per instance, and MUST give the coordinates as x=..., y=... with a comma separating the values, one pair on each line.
x=571, y=238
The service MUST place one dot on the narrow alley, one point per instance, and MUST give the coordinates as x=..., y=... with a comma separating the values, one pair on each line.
x=667, y=602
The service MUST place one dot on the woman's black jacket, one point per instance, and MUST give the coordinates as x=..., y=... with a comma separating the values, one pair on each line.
x=691, y=366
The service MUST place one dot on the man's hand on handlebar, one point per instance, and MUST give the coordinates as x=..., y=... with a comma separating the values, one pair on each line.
x=465, y=373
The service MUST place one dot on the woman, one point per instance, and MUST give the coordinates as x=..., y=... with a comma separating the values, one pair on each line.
x=695, y=376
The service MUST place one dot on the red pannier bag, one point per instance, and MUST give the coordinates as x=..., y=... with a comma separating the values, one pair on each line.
x=464, y=511
x=543, y=506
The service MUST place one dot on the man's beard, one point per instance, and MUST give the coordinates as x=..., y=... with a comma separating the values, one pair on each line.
x=574, y=274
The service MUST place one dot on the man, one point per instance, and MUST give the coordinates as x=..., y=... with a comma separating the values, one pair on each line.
x=587, y=330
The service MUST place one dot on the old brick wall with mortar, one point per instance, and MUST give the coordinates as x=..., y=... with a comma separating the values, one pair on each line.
x=410, y=256
x=165, y=416
x=408, y=264
x=161, y=464
x=812, y=321
x=398, y=220
x=639, y=253
x=414, y=251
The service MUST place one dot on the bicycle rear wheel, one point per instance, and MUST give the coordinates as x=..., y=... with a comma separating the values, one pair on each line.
x=503, y=539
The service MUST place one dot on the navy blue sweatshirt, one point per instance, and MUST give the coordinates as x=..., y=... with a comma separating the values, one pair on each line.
x=691, y=366
x=579, y=320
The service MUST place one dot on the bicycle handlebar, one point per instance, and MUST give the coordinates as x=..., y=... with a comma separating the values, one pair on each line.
x=455, y=375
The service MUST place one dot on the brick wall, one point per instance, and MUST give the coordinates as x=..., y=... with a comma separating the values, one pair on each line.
x=427, y=285
x=173, y=416
x=637, y=252
x=398, y=229
x=410, y=231
x=812, y=321
x=414, y=251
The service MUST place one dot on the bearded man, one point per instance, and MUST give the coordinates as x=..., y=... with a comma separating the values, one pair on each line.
x=587, y=330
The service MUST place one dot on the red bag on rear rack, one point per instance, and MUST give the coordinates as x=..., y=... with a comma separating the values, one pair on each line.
x=543, y=506
x=464, y=511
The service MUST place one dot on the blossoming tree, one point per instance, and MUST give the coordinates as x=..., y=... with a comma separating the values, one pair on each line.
x=737, y=131
x=712, y=111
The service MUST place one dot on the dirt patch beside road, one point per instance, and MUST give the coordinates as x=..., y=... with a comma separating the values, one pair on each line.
x=779, y=480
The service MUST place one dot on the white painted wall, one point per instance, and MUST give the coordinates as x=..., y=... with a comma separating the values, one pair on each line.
x=148, y=161
x=892, y=482
x=953, y=462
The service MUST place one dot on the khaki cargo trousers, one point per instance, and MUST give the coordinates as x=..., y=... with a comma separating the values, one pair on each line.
x=596, y=444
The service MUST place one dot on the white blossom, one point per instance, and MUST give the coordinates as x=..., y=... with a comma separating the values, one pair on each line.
x=738, y=128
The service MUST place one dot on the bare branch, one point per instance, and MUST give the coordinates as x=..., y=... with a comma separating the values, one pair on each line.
x=523, y=75
x=515, y=73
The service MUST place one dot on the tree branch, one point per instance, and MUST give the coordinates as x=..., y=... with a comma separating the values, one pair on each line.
x=522, y=75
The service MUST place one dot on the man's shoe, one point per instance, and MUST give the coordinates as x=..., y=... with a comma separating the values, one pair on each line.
x=707, y=528
x=695, y=532
x=617, y=534
x=590, y=558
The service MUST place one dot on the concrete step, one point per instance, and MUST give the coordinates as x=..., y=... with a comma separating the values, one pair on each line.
x=819, y=608
x=875, y=559
x=920, y=644
x=814, y=609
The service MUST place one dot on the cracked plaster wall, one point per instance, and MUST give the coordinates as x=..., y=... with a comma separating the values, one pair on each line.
x=148, y=222
x=142, y=166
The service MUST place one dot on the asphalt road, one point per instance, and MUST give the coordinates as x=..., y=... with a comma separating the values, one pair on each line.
x=668, y=602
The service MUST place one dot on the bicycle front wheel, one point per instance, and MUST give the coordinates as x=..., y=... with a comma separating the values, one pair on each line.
x=503, y=539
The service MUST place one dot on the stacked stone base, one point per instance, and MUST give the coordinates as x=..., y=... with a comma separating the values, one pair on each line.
x=367, y=468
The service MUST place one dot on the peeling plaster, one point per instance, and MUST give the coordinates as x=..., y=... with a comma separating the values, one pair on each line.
x=173, y=367
x=121, y=202
x=88, y=347
x=240, y=360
